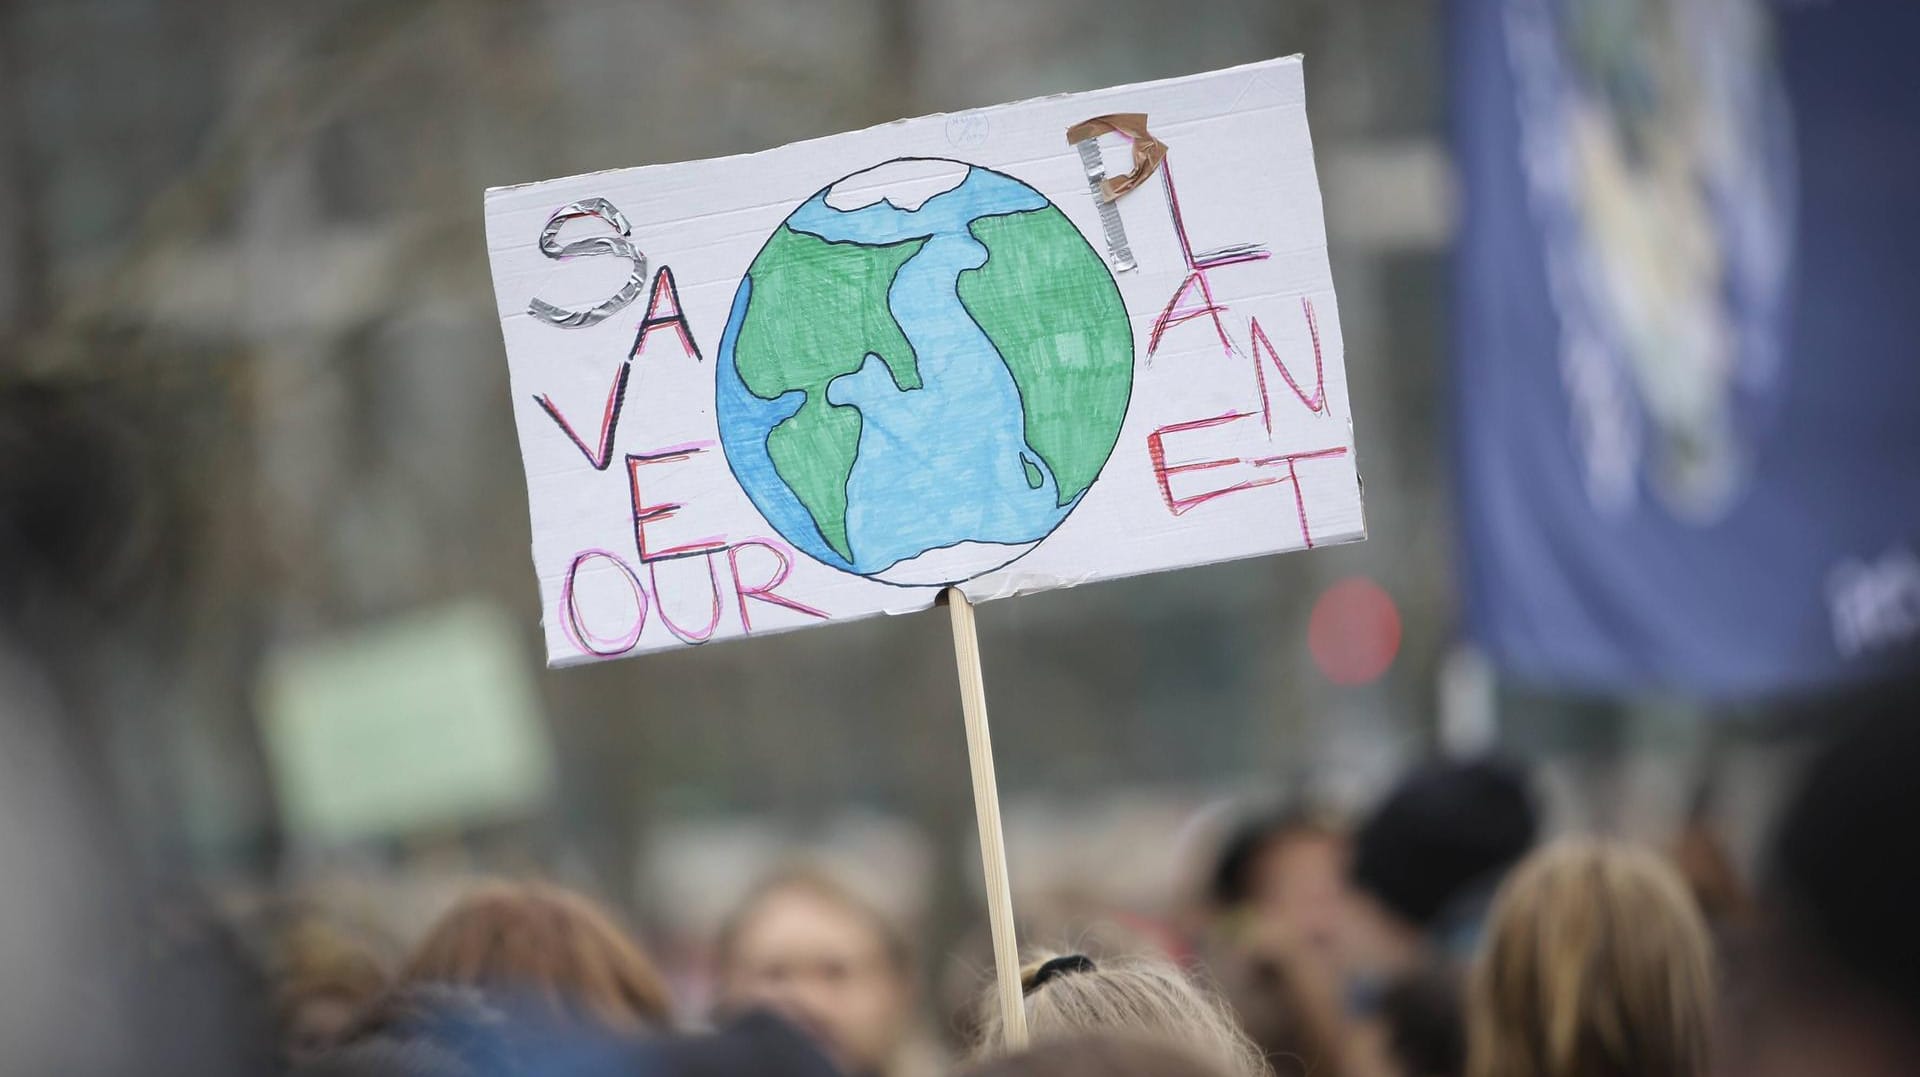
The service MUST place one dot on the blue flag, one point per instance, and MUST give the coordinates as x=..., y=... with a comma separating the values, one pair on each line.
x=1687, y=352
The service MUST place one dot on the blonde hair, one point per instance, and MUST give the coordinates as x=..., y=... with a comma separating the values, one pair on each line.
x=1135, y=997
x=1112, y=1055
x=537, y=941
x=1597, y=964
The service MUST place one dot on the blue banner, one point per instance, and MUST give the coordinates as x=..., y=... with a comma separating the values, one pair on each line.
x=1687, y=339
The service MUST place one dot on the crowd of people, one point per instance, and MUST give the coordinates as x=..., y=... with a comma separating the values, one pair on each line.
x=1440, y=936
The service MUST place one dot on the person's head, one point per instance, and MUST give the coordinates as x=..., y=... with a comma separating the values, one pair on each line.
x=1700, y=854
x=1069, y=995
x=1112, y=1055
x=325, y=980
x=1597, y=964
x=1287, y=999
x=808, y=947
x=1424, y=1029
x=758, y=1044
x=1288, y=868
x=533, y=944
x=425, y=1030
x=1839, y=971
x=1429, y=855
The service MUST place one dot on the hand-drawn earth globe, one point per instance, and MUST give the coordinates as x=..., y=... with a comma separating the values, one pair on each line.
x=924, y=371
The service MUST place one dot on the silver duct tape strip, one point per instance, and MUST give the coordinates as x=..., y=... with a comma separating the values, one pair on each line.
x=1118, y=251
x=620, y=245
x=599, y=312
x=1229, y=251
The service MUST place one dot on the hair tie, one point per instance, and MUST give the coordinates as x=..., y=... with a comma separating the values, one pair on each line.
x=1059, y=966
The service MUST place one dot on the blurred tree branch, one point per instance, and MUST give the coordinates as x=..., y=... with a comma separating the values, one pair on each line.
x=342, y=59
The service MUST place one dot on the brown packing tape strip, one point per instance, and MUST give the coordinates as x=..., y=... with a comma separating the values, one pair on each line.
x=1148, y=151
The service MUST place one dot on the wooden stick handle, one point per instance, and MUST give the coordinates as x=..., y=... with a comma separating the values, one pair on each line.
x=986, y=806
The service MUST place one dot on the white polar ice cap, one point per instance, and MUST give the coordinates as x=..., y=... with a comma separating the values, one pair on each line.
x=906, y=183
x=949, y=564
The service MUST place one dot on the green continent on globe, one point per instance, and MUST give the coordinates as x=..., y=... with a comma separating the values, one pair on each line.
x=1050, y=307
x=784, y=344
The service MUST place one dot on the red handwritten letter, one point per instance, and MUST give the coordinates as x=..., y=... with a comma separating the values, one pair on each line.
x=765, y=592
x=1315, y=403
x=602, y=454
x=666, y=295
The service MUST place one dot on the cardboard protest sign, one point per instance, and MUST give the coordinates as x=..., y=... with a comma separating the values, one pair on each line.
x=823, y=381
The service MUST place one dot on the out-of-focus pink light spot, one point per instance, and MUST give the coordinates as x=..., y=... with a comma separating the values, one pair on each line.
x=1354, y=631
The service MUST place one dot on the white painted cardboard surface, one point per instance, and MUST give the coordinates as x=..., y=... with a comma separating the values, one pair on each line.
x=1256, y=448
